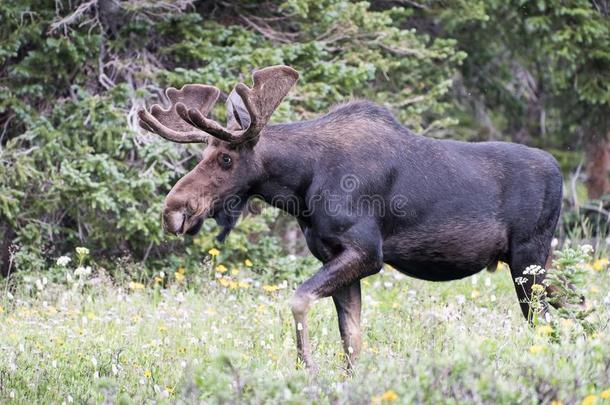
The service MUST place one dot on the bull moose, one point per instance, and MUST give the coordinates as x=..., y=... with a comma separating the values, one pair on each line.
x=443, y=209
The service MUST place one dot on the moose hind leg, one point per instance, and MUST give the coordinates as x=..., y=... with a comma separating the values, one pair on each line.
x=348, y=304
x=532, y=253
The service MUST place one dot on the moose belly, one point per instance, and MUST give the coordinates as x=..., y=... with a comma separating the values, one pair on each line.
x=446, y=254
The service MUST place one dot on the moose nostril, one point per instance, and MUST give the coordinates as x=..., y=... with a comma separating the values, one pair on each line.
x=174, y=221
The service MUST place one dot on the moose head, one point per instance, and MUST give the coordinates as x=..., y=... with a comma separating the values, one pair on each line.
x=218, y=185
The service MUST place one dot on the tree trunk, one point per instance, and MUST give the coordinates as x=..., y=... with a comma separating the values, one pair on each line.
x=598, y=166
x=5, y=250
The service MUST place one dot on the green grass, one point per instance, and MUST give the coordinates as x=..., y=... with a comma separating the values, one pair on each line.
x=458, y=342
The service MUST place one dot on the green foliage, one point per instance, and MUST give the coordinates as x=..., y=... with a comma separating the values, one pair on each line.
x=74, y=168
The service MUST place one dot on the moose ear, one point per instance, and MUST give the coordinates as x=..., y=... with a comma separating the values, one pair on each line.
x=237, y=114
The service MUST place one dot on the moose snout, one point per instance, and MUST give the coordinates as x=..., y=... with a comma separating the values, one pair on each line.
x=174, y=221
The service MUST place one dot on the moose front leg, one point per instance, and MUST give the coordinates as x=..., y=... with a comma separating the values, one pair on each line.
x=334, y=278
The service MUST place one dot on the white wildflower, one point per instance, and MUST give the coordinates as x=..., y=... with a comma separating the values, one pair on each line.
x=94, y=361
x=39, y=285
x=586, y=249
x=534, y=270
x=460, y=299
x=82, y=251
x=82, y=271
x=521, y=280
x=63, y=261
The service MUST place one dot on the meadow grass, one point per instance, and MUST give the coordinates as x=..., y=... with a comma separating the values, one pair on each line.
x=455, y=342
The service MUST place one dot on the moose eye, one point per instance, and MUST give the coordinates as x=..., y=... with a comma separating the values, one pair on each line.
x=225, y=161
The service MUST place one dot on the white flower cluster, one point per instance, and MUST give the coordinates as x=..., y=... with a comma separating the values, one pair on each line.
x=82, y=271
x=534, y=270
x=521, y=280
x=586, y=249
x=63, y=261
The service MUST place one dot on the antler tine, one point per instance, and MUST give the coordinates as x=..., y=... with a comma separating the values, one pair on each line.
x=270, y=86
x=169, y=124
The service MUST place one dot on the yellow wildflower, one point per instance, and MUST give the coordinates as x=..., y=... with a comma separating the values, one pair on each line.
x=475, y=294
x=589, y=400
x=169, y=390
x=234, y=272
x=536, y=349
x=90, y=315
x=1, y=309
x=181, y=270
x=544, y=330
x=162, y=328
x=556, y=402
x=594, y=289
x=270, y=288
x=248, y=263
x=224, y=282
x=601, y=264
x=179, y=277
x=147, y=373
x=388, y=396
x=214, y=252
x=158, y=280
x=244, y=284
x=133, y=285
x=537, y=288
x=605, y=394
x=221, y=268
x=233, y=284
x=182, y=350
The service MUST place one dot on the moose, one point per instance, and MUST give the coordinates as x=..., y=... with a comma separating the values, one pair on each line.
x=443, y=209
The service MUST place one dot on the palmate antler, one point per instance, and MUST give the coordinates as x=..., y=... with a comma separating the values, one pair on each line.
x=168, y=124
x=248, y=109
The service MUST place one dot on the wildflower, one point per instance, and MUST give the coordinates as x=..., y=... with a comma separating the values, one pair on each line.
x=248, y=263
x=214, y=252
x=270, y=288
x=233, y=284
x=544, y=329
x=537, y=288
x=158, y=280
x=244, y=285
x=601, y=264
x=162, y=328
x=94, y=361
x=475, y=294
x=82, y=251
x=221, y=268
x=63, y=261
x=135, y=285
x=533, y=270
x=224, y=282
x=169, y=390
x=82, y=271
x=586, y=249
x=147, y=373
x=556, y=402
x=521, y=280
x=589, y=400
x=388, y=396
x=179, y=276
x=536, y=349
x=594, y=289
x=605, y=394
x=234, y=272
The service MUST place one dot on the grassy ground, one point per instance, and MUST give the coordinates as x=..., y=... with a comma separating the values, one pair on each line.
x=457, y=342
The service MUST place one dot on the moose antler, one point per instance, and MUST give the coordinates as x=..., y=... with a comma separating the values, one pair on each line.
x=271, y=85
x=167, y=122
